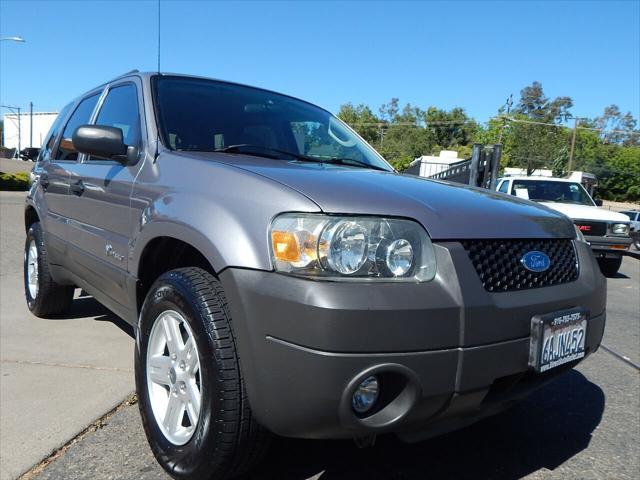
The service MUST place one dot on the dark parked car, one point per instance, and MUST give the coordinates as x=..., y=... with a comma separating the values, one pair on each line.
x=29, y=154
x=283, y=279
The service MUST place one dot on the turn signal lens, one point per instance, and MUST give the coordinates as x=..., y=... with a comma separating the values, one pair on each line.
x=285, y=246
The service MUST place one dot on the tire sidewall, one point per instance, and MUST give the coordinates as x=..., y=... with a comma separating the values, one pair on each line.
x=33, y=234
x=610, y=266
x=197, y=456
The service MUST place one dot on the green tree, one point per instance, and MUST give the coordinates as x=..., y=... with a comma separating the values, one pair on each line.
x=362, y=120
x=618, y=128
x=449, y=128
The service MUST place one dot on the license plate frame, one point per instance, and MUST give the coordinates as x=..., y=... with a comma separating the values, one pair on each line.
x=558, y=338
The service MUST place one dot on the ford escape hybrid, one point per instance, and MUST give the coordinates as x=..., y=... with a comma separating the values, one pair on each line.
x=283, y=279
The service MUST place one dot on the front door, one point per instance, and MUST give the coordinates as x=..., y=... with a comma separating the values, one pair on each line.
x=99, y=192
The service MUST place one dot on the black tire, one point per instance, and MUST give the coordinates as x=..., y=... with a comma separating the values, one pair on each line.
x=227, y=441
x=609, y=266
x=51, y=298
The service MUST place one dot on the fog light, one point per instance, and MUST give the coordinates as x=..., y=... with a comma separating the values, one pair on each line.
x=365, y=396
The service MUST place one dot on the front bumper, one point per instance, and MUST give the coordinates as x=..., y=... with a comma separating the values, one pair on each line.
x=609, y=247
x=445, y=350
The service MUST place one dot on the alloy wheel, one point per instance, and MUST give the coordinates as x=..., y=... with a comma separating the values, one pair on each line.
x=32, y=269
x=173, y=377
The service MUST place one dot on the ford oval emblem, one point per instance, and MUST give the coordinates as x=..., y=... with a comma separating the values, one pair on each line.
x=535, y=261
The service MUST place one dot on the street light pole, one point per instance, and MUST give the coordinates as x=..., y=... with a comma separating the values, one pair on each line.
x=19, y=132
x=30, y=124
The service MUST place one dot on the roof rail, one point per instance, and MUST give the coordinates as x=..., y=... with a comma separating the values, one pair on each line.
x=135, y=70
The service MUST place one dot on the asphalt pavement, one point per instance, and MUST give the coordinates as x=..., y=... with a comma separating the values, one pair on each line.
x=56, y=376
x=586, y=424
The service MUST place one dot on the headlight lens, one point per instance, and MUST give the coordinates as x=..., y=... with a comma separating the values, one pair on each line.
x=620, y=229
x=359, y=248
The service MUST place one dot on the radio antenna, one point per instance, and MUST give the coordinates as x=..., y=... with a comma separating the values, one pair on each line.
x=158, y=36
x=155, y=158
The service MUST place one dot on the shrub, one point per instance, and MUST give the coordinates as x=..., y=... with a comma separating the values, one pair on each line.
x=14, y=182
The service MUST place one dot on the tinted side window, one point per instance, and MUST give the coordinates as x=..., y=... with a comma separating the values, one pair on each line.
x=82, y=115
x=120, y=110
x=504, y=186
x=51, y=137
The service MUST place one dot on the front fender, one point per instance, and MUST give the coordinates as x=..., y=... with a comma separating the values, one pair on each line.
x=227, y=224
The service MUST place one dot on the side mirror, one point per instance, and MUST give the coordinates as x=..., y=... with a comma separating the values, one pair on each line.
x=598, y=202
x=104, y=142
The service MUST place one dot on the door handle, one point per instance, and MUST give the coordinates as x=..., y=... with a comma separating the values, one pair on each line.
x=44, y=180
x=77, y=188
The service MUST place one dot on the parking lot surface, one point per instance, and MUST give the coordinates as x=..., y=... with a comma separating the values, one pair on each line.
x=56, y=376
x=585, y=425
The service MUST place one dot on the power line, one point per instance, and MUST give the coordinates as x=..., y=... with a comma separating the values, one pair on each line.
x=533, y=122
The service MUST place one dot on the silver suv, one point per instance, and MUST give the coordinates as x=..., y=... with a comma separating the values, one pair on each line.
x=283, y=279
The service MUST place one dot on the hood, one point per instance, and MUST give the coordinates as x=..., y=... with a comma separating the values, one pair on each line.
x=448, y=211
x=586, y=212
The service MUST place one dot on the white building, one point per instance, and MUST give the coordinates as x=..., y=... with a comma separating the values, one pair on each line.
x=42, y=122
x=428, y=165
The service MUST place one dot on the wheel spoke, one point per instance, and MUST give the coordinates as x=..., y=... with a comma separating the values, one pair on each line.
x=159, y=366
x=190, y=355
x=192, y=413
x=172, y=334
x=173, y=416
x=193, y=401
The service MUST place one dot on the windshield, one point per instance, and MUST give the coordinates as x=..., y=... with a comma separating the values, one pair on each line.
x=550, y=191
x=207, y=115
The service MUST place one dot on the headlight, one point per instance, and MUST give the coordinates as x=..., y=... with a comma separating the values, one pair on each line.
x=579, y=235
x=620, y=229
x=359, y=248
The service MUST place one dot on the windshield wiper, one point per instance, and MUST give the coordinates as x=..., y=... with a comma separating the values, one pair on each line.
x=251, y=149
x=352, y=162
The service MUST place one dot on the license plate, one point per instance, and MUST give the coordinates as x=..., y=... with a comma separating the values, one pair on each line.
x=557, y=338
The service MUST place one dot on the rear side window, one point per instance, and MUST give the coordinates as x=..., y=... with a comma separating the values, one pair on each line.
x=51, y=137
x=82, y=115
x=120, y=110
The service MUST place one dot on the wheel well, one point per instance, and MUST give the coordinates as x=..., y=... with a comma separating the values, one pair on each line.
x=161, y=255
x=30, y=217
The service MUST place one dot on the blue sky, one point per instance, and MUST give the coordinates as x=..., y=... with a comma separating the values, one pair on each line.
x=468, y=54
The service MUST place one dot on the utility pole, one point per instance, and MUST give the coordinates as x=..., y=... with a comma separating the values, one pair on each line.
x=573, y=145
x=19, y=132
x=30, y=124
x=508, y=103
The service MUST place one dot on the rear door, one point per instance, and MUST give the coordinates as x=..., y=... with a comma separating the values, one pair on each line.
x=100, y=191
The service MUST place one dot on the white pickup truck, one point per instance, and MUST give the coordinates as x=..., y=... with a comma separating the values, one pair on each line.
x=607, y=232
